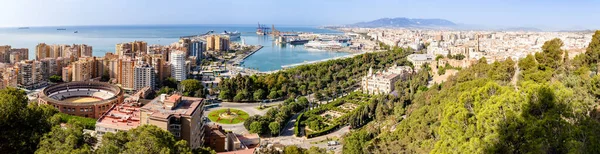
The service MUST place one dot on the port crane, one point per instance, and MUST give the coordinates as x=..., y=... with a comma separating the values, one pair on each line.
x=262, y=29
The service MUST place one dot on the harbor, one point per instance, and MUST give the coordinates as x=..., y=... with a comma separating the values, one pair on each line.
x=237, y=61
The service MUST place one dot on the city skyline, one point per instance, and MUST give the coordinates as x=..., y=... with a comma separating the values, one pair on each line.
x=546, y=15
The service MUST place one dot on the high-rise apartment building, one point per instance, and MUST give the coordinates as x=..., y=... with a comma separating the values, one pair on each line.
x=84, y=69
x=4, y=52
x=42, y=51
x=9, y=76
x=217, y=43
x=158, y=62
x=110, y=64
x=131, y=49
x=67, y=73
x=196, y=49
x=210, y=43
x=50, y=67
x=10, y=55
x=72, y=52
x=178, y=68
x=29, y=74
x=17, y=55
x=126, y=72
x=145, y=76
x=222, y=43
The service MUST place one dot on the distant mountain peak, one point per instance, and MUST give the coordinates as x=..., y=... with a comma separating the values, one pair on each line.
x=405, y=22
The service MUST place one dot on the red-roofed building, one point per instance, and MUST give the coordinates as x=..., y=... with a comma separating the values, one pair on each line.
x=120, y=117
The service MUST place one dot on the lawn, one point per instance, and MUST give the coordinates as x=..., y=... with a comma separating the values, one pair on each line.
x=221, y=116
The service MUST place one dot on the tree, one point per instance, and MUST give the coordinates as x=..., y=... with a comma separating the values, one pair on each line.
x=239, y=96
x=55, y=79
x=256, y=127
x=105, y=76
x=272, y=95
x=319, y=95
x=204, y=150
x=354, y=142
x=190, y=86
x=165, y=90
x=259, y=95
x=169, y=82
x=303, y=102
x=143, y=139
x=66, y=140
x=22, y=125
x=315, y=150
x=225, y=95
x=251, y=120
x=593, y=51
x=292, y=149
x=274, y=127
x=201, y=93
x=551, y=55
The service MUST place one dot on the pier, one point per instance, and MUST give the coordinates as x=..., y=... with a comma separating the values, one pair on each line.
x=239, y=60
x=199, y=35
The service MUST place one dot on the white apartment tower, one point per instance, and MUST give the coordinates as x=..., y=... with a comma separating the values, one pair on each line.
x=178, y=69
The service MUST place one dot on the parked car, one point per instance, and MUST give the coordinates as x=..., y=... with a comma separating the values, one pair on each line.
x=333, y=143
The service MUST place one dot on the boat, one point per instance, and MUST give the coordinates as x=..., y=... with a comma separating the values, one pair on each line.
x=61, y=29
x=76, y=32
x=298, y=41
x=323, y=45
x=23, y=27
x=232, y=35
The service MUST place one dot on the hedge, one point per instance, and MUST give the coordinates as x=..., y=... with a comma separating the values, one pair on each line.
x=88, y=123
x=324, y=131
x=297, y=125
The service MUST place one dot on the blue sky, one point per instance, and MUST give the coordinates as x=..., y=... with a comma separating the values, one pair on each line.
x=547, y=14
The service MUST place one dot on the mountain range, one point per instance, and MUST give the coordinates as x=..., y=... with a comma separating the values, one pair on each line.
x=405, y=22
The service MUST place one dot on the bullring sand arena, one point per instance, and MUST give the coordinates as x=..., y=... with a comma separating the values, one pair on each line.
x=81, y=99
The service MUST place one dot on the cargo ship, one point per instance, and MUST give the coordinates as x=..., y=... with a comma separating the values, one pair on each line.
x=61, y=29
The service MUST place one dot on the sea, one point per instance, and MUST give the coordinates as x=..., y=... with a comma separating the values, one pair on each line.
x=104, y=38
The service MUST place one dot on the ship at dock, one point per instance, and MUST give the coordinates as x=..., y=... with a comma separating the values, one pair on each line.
x=232, y=35
x=323, y=45
x=298, y=41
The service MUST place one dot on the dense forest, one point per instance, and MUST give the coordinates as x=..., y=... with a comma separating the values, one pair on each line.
x=544, y=103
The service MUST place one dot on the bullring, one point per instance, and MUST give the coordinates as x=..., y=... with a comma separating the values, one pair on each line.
x=85, y=99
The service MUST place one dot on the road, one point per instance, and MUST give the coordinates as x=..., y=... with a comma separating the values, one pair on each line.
x=249, y=108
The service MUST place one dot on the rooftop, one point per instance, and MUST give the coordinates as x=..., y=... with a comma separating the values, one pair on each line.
x=246, y=151
x=185, y=107
x=421, y=57
x=122, y=116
